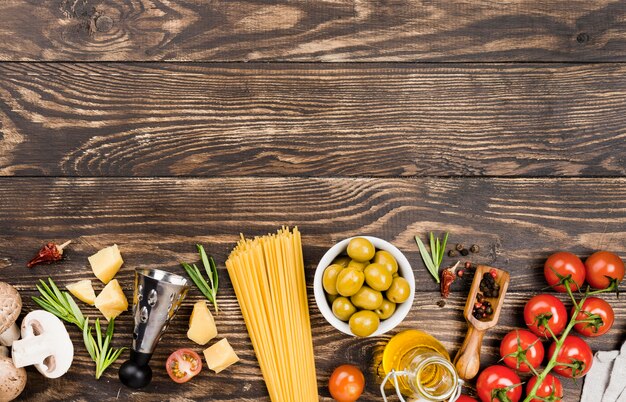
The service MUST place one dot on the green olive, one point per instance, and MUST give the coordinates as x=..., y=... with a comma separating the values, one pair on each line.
x=377, y=277
x=329, y=279
x=358, y=265
x=342, y=260
x=349, y=281
x=367, y=298
x=399, y=290
x=360, y=249
x=385, y=258
x=386, y=309
x=343, y=308
x=331, y=298
x=364, y=323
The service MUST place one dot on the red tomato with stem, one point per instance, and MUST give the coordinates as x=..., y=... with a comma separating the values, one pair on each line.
x=599, y=314
x=346, y=384
x=496, y=383
x=183, y=365
x=603, y=267
x=520, y=349
x=542, y=310
x=549, y=390
x=574, y=359
x=562, y=265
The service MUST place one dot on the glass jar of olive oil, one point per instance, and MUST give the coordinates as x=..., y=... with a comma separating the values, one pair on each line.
x=419, y=367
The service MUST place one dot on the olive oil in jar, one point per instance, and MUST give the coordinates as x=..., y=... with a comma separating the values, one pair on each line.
x=422, y=364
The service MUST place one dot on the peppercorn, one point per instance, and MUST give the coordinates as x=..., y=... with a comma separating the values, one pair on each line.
x=468, y=265
x=452, y=253
x=459, y=247
x=475, y=249
x=464, y=252
x=460, y=273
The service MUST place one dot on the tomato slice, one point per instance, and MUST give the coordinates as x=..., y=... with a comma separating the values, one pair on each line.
x=183, y=365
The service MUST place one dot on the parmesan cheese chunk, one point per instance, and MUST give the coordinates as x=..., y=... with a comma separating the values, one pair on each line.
x=111, y=301
x=220, y=356
x=201, y=324
x=106, y=262
x=83, y=291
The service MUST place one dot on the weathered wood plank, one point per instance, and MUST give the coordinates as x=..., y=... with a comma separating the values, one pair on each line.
x=311, y=120
x=518, y=222
x=403, y=30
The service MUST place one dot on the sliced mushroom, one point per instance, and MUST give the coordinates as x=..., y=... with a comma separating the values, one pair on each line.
x=45, y=343
x=12, y=379
x=10, y=308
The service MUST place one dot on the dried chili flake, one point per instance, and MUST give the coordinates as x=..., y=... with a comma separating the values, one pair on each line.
x=447, y=277
x=49, y=253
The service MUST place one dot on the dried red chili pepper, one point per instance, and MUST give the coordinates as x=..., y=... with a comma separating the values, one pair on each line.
x=49, y=253
x=447, y=277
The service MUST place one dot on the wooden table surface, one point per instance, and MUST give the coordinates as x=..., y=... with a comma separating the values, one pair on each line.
x=157, y=125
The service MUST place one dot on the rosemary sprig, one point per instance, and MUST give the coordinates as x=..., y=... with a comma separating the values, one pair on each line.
x=61, y=304
x=207, y=287
x=437, y=250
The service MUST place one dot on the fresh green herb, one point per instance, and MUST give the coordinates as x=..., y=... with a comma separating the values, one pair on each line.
x=437, y=249
x=61, y=304
x=207, y=287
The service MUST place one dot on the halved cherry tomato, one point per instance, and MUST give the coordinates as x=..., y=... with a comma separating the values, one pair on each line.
x=496, y=383
x=183, y=365
x=520, y=348
x=346, y=384
x=545, y=309
x=574, y=359
x=562, y=265
x=602, y=267
x=549, y=390
x=599, y=312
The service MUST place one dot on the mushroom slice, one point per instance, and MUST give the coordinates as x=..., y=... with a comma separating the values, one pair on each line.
x=45, y=343
x=10, y=308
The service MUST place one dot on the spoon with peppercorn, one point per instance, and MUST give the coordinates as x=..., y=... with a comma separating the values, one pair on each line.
x=482, y=311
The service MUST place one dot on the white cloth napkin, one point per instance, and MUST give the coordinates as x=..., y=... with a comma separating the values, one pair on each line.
x=607, y=377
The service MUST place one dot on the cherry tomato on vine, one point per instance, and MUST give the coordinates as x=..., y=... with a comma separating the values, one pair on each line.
x=597, y=310
x=545, y=309
x=602, y=267
x=465, y=398
x=549, y=390
x=574, y=359
x=521, y=348
x=561, y=265
x=346, y=384
x=183, y=365
x=497, y=381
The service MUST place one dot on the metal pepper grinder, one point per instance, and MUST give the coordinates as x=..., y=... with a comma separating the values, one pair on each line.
x=158, y=295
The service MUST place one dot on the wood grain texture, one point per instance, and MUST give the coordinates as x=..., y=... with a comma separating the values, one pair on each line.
x=400, y=30
x=311, y=120
x=156, y=222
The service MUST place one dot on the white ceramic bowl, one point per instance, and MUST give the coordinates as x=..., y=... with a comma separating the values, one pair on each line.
x=404, y=269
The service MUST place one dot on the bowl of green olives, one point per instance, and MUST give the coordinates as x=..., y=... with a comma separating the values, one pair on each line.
x=364, y=286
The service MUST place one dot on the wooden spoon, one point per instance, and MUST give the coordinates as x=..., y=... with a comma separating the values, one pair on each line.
x=467, y=360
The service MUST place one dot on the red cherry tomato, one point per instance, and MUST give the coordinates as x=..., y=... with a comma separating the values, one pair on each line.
x=498, y=380
x=563, y=264
x=543, y=309
x=550, y=389
x=598, y=310
x=183, y=365
x=574, y=352
x=603, y=266
x=519, y=348
x=346, y=384
x=465, y=398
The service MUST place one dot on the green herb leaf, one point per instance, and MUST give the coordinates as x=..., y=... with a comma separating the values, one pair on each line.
x=433, y=260
x=209, y=286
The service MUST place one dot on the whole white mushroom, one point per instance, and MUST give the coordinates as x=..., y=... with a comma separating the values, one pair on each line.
x=12, y=379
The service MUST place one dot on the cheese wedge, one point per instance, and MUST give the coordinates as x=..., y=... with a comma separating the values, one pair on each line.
x=83, y=291
x=106, y=262
x=220, y=356
x=201, y=324
x=111, y=301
